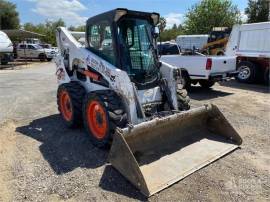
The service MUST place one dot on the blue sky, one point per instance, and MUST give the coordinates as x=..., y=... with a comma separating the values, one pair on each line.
x=75, y=12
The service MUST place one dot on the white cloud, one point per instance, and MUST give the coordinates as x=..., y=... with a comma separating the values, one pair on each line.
x=243, y=16
x=65, y=9
x=173, y=18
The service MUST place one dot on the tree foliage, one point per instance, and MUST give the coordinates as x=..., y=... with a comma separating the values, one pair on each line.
x=172, y=33
x=206, y=14
x=257, y=11
x=162, y=24
x=48, y=29
x=9, y=17
x=77, y=29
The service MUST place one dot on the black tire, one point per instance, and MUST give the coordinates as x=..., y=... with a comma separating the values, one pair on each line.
x=4, y=62
x=186, y=81
x=115, y=115
x=49, y=59
x=206, y=83
x=267, y=77
x=248, y=72
x=76, y=94
x=183, y=100
x=42, y=57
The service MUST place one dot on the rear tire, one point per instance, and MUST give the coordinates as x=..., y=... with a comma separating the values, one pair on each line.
x=69, y=100
x=103, y=112
x=186, y=81
x=183, y=100
x=206, y=83
x=49, y=59
x=247, y=72
x=267, y=77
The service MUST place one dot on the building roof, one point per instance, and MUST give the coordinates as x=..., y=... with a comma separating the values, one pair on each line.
x=22, y=34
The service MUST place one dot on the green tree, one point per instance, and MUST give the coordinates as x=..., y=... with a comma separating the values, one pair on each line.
x=257, y=11
x=80, y=28
x=206, y=14
x=9, y=17
x=48, y=29
x=71, y=28
x=174, y=26
x=171, y=34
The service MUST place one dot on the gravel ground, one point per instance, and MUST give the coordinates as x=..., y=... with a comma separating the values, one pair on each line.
x=42, y=160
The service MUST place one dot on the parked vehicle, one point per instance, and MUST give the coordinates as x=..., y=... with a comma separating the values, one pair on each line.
x=196, y=67
x=124, y=95
x=191, y=42
x=35, y=51
x=205, y=70
x=217, y=41
x=168, y=49
x=6, y=49
x=251, y=44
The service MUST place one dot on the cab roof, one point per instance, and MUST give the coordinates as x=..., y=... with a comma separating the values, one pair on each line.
x=113, y=15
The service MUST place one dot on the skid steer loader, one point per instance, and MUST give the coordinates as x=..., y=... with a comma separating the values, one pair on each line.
x=134, y=104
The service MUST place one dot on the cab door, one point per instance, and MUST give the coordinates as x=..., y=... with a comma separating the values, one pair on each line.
x=31, y=51
x=21, y=51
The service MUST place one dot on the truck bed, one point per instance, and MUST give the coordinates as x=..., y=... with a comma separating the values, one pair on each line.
x=196, y=65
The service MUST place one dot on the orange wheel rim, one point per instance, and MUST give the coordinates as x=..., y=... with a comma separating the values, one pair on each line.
x=65, y=105
x=97, y=119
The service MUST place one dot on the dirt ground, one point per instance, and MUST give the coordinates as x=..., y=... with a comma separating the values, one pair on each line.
x=42, y=160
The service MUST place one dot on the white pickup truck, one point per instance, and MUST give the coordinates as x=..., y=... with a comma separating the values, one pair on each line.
x=35, y=51
x=205, y=70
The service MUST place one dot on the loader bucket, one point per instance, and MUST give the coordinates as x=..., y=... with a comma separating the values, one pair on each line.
x=155, y=154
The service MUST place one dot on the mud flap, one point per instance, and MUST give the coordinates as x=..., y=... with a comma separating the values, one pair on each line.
x=155, y=154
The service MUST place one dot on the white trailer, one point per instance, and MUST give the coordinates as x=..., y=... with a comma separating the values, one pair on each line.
x=251, y=44
x=190, y=42
x=6, y=48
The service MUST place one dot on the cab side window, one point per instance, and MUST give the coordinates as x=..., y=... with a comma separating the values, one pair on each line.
x=31, y=47
x=22, y=46
x=100, y=41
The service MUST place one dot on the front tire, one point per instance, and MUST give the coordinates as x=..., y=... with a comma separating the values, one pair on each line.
x=103, y=112
x=69, y=100
x=42, y=57
x=206, y=83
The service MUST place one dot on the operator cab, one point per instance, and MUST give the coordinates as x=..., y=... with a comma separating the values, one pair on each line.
x=127, y=39
x=219, y=33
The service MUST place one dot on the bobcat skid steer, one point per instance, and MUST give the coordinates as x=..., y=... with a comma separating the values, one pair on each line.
x=127, y=99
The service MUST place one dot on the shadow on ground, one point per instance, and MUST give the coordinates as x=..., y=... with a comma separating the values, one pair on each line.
x=67, y=149
x=262, y=88
x=199, y=93
x=113, y=181
x=18, y=63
